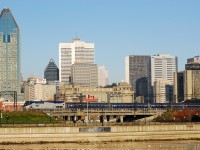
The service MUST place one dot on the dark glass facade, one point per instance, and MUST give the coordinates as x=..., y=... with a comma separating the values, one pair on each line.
x=140, y=75
x=51, y=73
x=180, y=86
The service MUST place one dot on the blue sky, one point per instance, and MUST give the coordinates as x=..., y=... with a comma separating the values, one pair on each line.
x=117, y=27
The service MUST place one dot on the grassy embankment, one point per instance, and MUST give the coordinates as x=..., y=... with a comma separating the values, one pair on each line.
x=25, y=117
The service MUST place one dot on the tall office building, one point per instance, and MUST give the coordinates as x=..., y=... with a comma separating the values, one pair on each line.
x=163, y=91
x=191, y=84
x=137, y=74
x=102, y=76
x=10, y=63
x=77, y=50
x=163, y=67
x=192, y=66
x=178, y=87
x=192, y=78
x=186, y=83
x=85, y=74
x=51, y=72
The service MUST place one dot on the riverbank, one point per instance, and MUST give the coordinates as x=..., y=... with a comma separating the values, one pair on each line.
x=150, y=145
x=99, y=137
x=99, y=134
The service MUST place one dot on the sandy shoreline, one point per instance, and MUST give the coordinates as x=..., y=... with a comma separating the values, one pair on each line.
x=99, y=137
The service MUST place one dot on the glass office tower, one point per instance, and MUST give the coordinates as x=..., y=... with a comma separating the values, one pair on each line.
x=51, y=73
x=138, y=75
x=10, y=67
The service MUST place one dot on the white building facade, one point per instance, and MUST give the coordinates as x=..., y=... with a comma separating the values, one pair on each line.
x=162, y=91
x=103, y=78
x=38, y=89
x=77, y=50
x=163, y=67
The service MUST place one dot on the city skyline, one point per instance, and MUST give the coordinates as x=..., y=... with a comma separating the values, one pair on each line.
x=117, y=29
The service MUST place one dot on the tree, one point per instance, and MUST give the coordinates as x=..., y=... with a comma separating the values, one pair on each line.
x=111, y=86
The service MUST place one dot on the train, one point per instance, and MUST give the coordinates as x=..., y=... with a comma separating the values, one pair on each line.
x=39, y=104
x=72, y=105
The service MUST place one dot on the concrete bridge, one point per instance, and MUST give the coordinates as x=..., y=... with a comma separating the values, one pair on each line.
x=103, y=115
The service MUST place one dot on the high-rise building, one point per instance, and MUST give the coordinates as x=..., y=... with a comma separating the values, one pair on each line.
x=192, y=78
x=77, y=50
x=102, y=76
x=191, y=84
x=163, y=91
x=10, y=53
x=51, y=73
x=186, y=83
x=193, y=63
x=84, y=74
x=178, y=87
x=138, y=73
x=163, y=67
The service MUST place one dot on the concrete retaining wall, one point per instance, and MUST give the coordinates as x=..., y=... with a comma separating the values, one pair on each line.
x=116, y=134
x=154, y=128
x=118, y=129
x=39, y=130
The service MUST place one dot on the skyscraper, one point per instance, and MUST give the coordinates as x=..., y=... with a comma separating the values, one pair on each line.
x=193, y=63
x=178, y=87
x=77, y=50
x=192, y=78
x=163, y=67
x=191, y=84
x=137, y=73
x=51, y=72
x=10, y=63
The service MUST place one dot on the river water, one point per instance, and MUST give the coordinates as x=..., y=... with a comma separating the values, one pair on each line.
x=155, y=145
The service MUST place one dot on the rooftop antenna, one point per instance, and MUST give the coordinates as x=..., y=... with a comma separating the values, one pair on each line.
x=76, y=38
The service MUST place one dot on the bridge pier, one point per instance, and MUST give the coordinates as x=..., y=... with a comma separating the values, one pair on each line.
x=86, y=120
x=121, y=119
x=103, y=119
x=112, y=119
x=68, y=118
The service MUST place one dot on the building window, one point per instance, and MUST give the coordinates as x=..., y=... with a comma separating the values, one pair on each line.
x=6, y=38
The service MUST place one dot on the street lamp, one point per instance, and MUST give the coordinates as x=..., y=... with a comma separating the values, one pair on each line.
x=145, y=115
x=87, y=113
x=50, y=115
x=1, y=117
x=102, y=117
